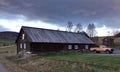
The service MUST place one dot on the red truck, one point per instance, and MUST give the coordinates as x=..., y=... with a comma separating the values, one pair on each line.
x=101, y=48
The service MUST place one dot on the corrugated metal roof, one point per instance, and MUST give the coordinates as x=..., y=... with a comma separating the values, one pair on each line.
x=55, y=36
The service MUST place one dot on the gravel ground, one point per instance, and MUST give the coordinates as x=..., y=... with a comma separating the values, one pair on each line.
x=115, y=53
x=2, y=68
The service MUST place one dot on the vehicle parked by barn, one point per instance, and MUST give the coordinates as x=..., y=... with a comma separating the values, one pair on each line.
x=102, y=48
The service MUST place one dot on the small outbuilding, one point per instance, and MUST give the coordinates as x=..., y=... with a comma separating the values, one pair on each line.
x=108, y=41
x=117, y=35
x=37, y=40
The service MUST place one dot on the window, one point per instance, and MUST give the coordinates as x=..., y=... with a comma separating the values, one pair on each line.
x=23, y=36
x=86, y=46
x=21, y=45
x=76, y=46
x=24, y=45
x=69, y=46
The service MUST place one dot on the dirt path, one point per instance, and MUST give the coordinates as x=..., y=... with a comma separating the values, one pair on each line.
x=2, y=68
x=6, y=46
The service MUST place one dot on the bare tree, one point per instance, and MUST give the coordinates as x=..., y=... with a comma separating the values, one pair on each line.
x=108, y=33
x=115, y=32
x=91, y=30
x=69, y=26
x=78, y=28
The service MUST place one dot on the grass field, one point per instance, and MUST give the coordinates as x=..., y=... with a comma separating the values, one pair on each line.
x=99, y=62
x=68, y=62
x=6, y=41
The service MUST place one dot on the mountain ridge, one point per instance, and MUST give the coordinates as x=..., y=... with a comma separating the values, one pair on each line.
x=8, y=35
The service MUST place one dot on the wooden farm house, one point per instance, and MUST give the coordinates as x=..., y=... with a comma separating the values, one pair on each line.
x=38, y=40
x=117, y=35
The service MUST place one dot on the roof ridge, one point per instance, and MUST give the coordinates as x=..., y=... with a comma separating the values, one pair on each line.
x=54, y=36
x=53, y=30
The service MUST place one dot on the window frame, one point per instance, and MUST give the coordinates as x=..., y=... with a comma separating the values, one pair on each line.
x=24, y=45
x=75, y=46
x=86, y=46
x=23, y=36
x=69, y=47
x=21, y=46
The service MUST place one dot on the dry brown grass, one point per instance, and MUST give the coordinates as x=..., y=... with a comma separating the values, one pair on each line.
x=70, y=62
x=10, y=66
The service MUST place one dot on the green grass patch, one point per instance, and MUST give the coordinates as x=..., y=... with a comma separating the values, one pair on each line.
x=11, y=48
x=67, y=62
x=6, y=41
x=100, y=62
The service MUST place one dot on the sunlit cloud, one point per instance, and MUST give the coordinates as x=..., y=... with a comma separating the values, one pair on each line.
x=104, y=31
x=54, y=14
x=15, y=25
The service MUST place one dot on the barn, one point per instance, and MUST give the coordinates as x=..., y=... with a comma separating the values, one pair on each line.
x=38, y=40
x=108, y=41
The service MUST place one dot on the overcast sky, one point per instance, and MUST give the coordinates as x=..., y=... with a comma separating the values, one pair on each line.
x=54, y=14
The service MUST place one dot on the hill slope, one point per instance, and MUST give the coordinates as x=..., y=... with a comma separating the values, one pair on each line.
x=8, y=35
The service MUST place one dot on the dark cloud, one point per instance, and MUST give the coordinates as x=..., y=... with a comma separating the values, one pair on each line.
x=3, y=28
x=60, y=11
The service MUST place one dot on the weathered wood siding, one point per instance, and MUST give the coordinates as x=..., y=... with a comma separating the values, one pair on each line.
x=47, y=47
x=38, y=47
x=23, y=41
